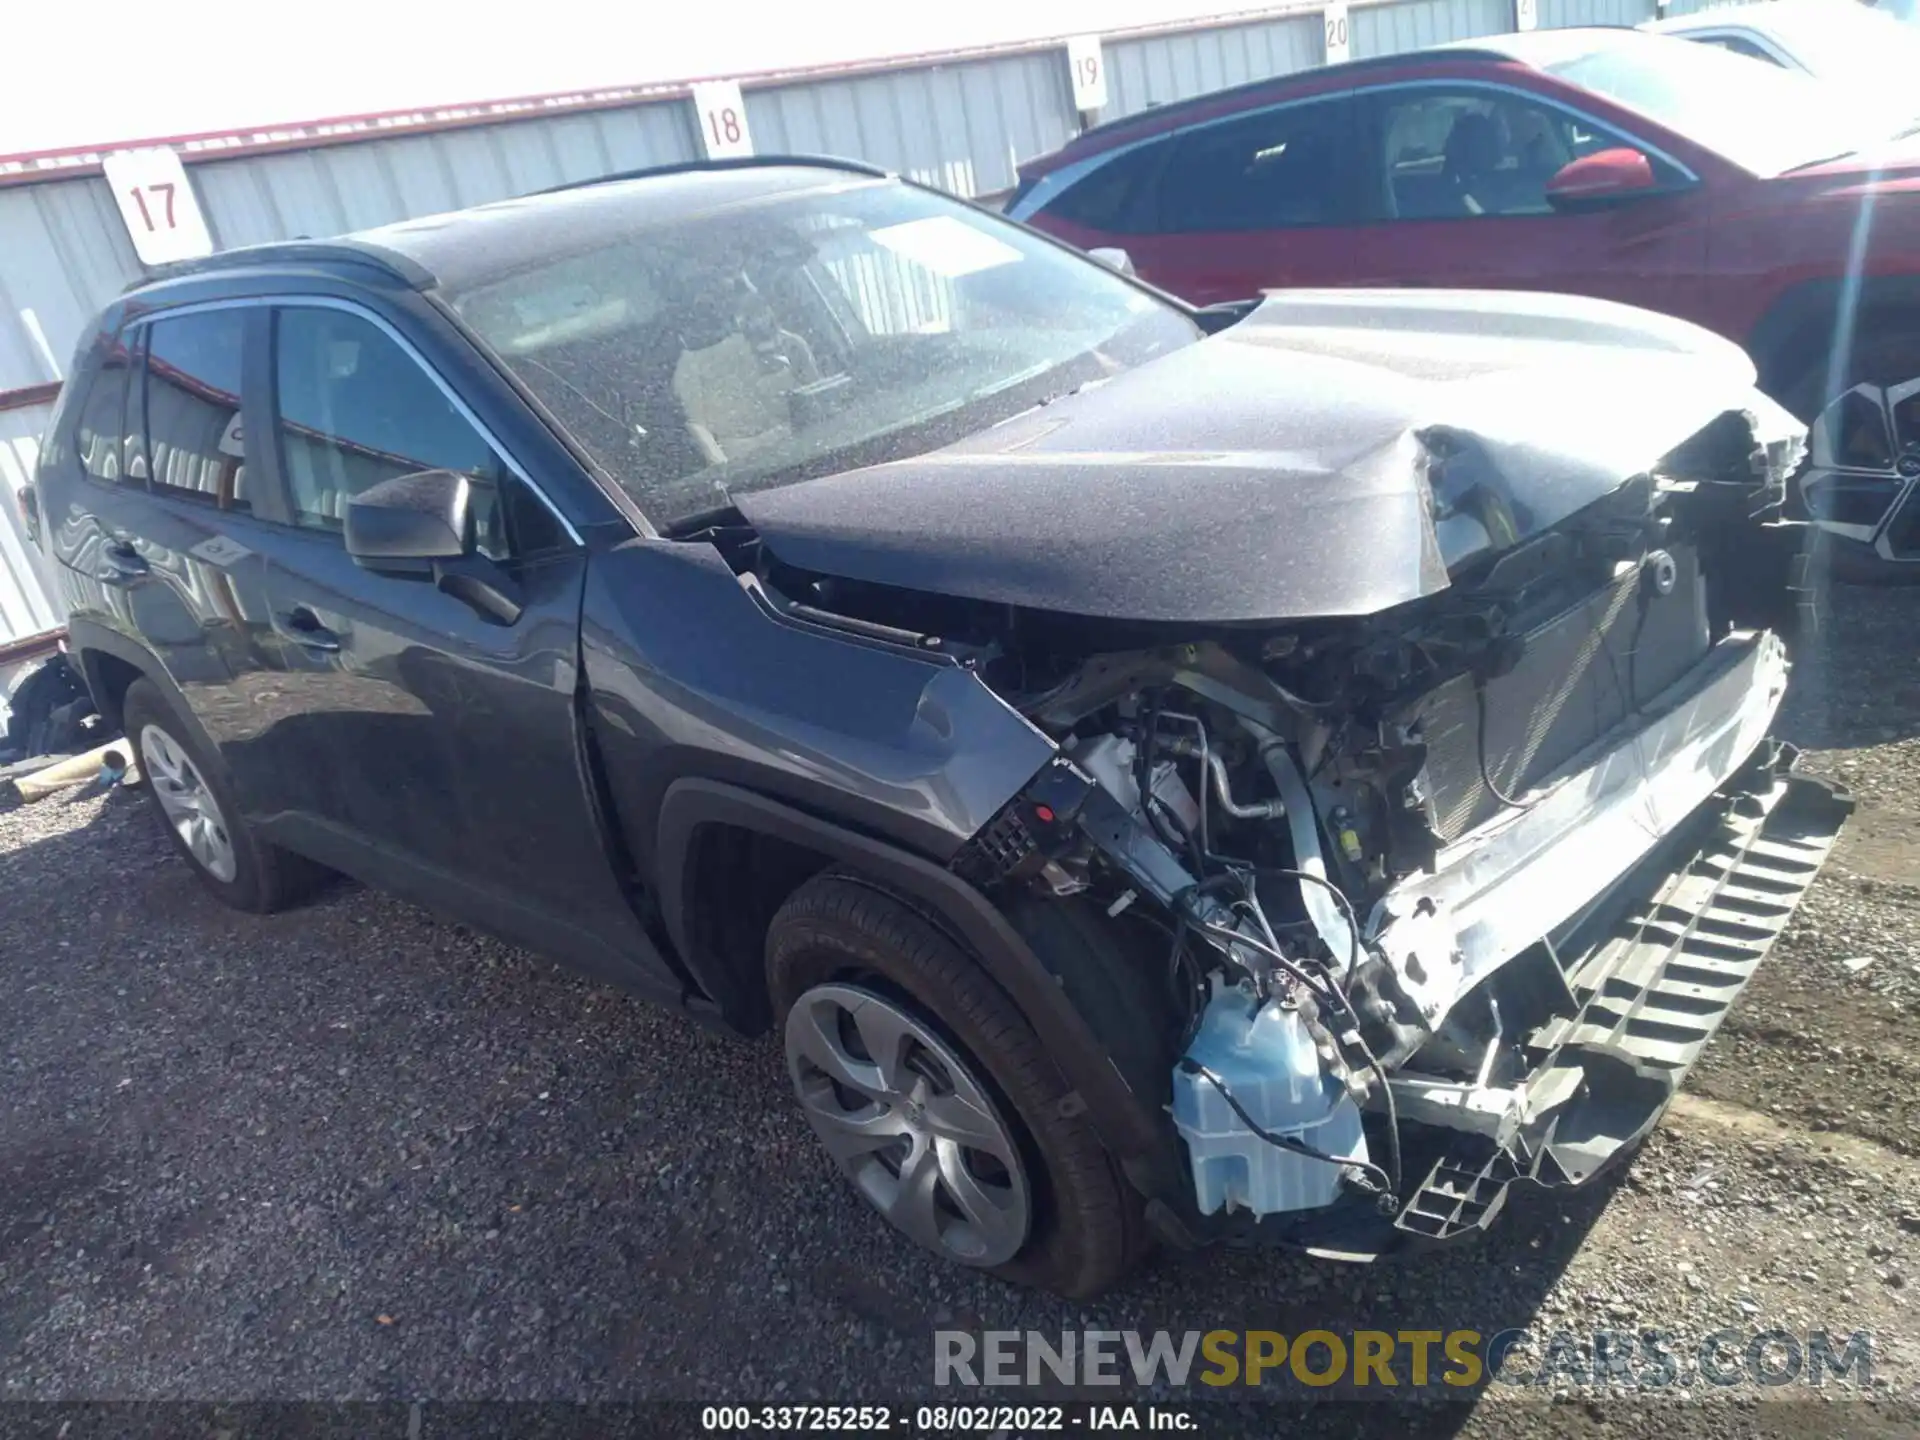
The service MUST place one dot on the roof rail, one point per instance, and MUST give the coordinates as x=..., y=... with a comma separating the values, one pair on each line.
x=288, y=252
x=737, y=162
x=1254, y=87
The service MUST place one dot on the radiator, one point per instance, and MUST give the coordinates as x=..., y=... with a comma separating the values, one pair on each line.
x=1582, y=673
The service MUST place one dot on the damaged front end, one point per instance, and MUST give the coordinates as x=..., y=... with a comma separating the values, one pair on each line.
x=1452, y=895
x=1423, y=773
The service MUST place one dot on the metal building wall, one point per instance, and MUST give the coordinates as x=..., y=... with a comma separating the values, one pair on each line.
x=63, y=253
x=1557, y=14
x=27, y=606
x=1390, y=29
x=1155, y=69
x=338, y=188
x=962, y=127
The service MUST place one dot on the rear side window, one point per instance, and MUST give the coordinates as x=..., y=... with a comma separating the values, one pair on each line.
x=1265, y=171
x=100, y=431
x=194, y=439
x=1116, y=197
x=1738, y=46
x=354, y=409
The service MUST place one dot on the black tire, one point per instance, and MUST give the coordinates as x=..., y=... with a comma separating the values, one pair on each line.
x=266, y=878
x=1088, y=1227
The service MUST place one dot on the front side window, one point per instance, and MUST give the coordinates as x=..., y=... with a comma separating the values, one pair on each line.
x=1447, y=154
x=700, y=358
x=354, y=409
x=1266, y=171
x=195, y=441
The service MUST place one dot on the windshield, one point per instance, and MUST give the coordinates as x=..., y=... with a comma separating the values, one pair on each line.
x=752, y=346
x=1869, y=50
x=1761, y=117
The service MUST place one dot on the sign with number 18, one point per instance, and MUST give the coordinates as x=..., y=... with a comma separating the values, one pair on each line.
x=723, y=119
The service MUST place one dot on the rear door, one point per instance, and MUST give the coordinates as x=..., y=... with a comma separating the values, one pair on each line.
x=1228, y=208
x=1455, y=177
x=437, y=748
x=200, y=591
x=158, y=519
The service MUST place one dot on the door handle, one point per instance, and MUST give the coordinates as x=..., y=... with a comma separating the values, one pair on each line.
x=302, y=626
x=120, y=564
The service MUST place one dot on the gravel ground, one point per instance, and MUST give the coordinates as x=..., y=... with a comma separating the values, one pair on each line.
x=356, y=1151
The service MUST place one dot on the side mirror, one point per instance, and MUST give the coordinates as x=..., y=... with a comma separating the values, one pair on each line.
x=406, y=523
x=1224, y=314
x=1114, y=258
x=1606, y=177
x=422, y=524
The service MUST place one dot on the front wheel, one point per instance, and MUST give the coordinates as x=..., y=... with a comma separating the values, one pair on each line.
x=935, y=1098
x=1861, y=483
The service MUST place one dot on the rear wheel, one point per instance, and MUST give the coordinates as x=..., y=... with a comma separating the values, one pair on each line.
x=935, y=1098
x=195, y=801
x=1861, y=483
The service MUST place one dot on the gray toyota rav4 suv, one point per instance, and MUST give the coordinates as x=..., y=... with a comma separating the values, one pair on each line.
x=1285, y=772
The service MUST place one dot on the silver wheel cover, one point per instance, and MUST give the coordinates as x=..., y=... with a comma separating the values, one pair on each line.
x=907, y=1121
x=189, y=805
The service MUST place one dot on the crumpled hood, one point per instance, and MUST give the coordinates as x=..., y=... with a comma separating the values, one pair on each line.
x=1336, y=453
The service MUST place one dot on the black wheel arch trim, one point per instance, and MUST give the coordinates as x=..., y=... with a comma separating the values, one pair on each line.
x=1126, y=1125
x=87, y=640
x=1777, y=343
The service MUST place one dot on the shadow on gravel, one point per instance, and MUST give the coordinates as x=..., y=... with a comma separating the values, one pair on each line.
x=1494, y=1285
x=1849, y=689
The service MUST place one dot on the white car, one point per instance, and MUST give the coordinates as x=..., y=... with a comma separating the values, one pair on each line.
x=1872, y=51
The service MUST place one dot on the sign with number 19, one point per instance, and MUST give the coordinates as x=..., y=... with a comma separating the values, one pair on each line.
x=1088, y=68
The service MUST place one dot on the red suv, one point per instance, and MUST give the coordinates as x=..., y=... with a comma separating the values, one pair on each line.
x=1757, y=202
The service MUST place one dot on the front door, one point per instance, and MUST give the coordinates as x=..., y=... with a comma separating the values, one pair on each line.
x=437, y=747
x=1456, y=195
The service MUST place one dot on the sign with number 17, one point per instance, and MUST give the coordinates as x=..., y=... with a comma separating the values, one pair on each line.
x=158, y=205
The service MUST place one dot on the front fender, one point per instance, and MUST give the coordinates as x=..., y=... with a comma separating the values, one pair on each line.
x=692, y=671
x=1125, y=1121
